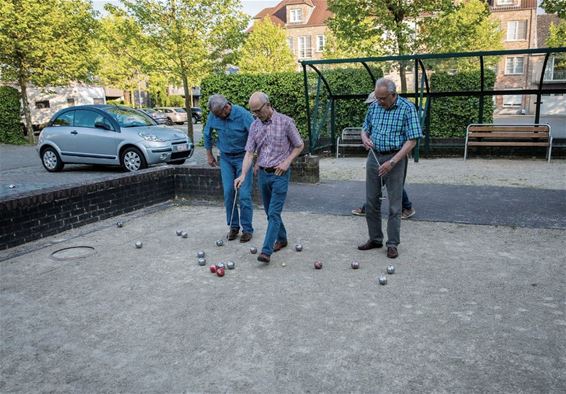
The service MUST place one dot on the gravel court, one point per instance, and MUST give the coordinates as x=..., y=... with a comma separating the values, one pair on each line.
x=470, y=308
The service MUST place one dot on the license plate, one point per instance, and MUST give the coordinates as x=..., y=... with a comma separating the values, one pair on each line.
x=182, y=147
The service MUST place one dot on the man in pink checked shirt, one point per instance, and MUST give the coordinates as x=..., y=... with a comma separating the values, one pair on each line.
x=276, y=139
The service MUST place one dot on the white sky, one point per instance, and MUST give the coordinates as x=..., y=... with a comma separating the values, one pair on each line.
x=250, y=7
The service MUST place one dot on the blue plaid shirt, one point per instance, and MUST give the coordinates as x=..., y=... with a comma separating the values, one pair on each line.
x=390, y=128
x=232, y=131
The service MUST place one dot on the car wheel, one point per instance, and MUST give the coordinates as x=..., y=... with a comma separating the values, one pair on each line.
x=132, y=159
x=51, y=160
x=177, y=163
x=169, y=122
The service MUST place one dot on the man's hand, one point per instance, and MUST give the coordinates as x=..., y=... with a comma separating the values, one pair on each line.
x=238, y=181
x=385, y=167
x=211, y=160
x=281, y=168
x=366, y=141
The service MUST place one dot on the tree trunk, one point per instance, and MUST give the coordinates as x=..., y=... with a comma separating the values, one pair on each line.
x=27, y=112
x=190, y=132
x=403, y=76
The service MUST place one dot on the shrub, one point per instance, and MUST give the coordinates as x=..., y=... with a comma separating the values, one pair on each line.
x=10, y=128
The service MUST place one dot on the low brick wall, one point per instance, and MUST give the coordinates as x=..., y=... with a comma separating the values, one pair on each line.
x=42, y=213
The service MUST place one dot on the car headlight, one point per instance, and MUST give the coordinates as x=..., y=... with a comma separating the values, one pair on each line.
x=150, y=137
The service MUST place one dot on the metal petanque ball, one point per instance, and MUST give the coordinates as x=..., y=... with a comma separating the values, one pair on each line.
x=298, y=247
x=220, y=272
x=12, y=186
x=120, y=224
x=139, y=244
x=253, y=250
x=382, y=279
x=230, y=265
x=220, y=265
x=219, y=242
x=179, y=233
x=213, y=268
x=200, y=254
x=355, y=265
x=184, y=234
x=318, y=265
x=202, y=261
x=390, y=269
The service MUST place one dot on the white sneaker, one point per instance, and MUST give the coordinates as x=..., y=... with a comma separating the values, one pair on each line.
x=407, y=213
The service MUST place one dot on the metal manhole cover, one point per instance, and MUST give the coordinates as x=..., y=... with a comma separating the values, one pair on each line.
x=74, y=252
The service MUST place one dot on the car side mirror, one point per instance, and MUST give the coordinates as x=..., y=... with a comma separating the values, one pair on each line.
x=101, y=125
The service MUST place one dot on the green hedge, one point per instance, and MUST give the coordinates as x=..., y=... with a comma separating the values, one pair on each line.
x=449, y=116
x=10, y=129
x=286, y=92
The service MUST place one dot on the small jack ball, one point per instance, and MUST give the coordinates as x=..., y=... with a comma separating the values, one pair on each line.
x=139, y=244
x=317, y=265
x=355, y=265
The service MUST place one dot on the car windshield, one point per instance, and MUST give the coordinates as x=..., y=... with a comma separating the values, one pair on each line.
x=180, y=110
x=129, y=118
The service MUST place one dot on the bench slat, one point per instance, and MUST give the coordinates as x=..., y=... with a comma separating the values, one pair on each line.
x=518, y=128
x=502, y=143
x=476, y=134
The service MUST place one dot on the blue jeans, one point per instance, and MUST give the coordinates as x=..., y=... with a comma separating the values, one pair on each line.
x=406, y=204
x=273, y=193
x=230, y=169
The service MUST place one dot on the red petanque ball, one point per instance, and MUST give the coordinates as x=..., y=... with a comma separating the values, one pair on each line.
x=220, y=272
x=213, y=268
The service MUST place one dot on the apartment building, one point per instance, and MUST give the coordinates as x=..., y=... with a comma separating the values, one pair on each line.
x=305, y=24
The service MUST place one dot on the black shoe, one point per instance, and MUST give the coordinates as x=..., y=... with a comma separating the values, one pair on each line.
x=233, y=234
x=263, y=258
x=370, y=245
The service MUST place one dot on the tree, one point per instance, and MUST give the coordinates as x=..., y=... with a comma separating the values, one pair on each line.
x=265, y=50
x=466, y=28
x=557, y=35
x=557, y=7
x=188, y=38
x=45, y=43
x=382, y=26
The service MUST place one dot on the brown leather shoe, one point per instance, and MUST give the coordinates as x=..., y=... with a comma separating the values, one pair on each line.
x=233, y=234
x=263, y=258
x=392, y=252
x=246, y=237
x=370, y=245
x=279, y=245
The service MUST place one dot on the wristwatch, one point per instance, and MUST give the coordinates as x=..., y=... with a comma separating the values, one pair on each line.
x=392, y=162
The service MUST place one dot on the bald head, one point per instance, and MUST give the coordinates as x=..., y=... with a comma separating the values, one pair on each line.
x=260, y=106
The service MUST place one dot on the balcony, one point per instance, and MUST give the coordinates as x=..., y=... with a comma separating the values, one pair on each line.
x=518, y=5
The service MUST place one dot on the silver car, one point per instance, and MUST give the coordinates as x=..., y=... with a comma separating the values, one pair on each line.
x=174, y=114
x=108, y=134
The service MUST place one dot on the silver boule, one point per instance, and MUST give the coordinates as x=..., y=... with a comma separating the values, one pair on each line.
x=179, y=233
x=219, y=242
x=253, y=250
x=382, y=279
x=390, y=269
x=12, y=186
x=220, y=265
x=120, y=224
x=355, y=265
x=200, y=254
x=201, y=261
x=298, y=247
x=184, y=234
x=139, y=244
x=230, y=265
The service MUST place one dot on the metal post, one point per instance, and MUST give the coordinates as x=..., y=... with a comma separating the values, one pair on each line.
x=482, y=80
x=306, y=83
x=539, y=93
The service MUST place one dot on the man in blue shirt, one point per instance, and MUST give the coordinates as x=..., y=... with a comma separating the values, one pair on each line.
x=232, y=125
x=391, y=129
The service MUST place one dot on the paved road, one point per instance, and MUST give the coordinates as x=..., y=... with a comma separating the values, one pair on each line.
x=20, y=166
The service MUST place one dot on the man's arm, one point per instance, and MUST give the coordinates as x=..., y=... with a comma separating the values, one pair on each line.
x=248, y=159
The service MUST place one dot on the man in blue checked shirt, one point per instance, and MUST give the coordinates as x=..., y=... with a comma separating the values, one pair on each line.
x=232, y=125
x=391, y=129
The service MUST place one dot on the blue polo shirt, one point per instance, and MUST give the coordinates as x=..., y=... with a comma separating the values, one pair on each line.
x=232, y=132
x=390, y=128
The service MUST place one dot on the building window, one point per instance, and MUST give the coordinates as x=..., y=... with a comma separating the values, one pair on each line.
x=42, y=104
x=98, y=101
x=296, y=15
x=305, y=50
x=514, y=65
x=505, y=2
x=320, y=42
x=290, y=43
x=70, y=101
x=513, y=100
x=516, y=30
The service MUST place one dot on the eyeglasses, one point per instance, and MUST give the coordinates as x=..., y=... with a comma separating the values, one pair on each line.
x=255, y=111
x=382, y=98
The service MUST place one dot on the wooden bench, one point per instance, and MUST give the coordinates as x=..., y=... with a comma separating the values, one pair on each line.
x=351, y=137
x=509, y=135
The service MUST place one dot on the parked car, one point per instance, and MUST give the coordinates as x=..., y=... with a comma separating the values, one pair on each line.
x=109, y=134
x=197, y=114
x=174, y=114
x=159, y=117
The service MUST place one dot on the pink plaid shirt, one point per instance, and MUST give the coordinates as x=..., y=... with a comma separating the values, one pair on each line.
x=274, y=140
